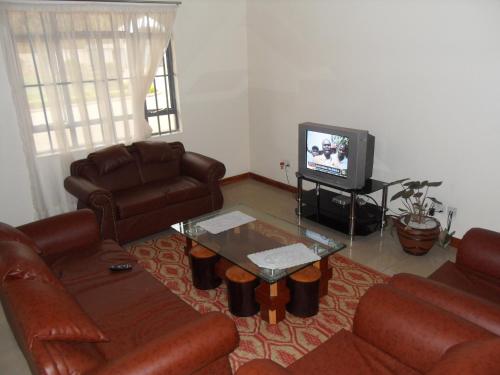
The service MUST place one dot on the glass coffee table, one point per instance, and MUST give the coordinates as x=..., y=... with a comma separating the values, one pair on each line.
x=264, y=233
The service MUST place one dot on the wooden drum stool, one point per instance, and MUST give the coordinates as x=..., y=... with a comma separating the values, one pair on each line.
x=304, y=292
x=203, y=263
x=241, y=292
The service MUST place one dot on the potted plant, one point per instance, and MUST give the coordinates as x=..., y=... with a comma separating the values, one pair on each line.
x=417, y=229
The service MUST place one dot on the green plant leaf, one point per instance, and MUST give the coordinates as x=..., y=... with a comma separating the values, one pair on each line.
x=434, y=200
x=397, y=181
x=435, y=184
x=408, y=193
x=399, y=194
x=418, y=195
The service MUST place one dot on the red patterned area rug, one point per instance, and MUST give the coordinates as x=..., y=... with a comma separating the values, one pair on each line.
x=283, y=343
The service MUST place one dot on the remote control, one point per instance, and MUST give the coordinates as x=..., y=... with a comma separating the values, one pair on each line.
x=120, y=267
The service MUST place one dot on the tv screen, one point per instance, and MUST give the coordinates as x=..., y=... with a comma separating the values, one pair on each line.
x=327, y=153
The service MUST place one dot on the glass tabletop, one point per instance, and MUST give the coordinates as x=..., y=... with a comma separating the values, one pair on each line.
x=264, y=233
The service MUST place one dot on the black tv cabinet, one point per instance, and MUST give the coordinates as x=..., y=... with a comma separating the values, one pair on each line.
x=340, y=212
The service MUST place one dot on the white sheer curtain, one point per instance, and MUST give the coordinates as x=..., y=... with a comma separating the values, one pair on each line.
x=79, y=76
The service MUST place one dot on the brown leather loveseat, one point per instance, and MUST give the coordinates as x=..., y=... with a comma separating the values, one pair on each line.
x=72, y=315
x=143, y=188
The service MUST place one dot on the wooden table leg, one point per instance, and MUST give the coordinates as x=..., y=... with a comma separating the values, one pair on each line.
x=326, y=275
x=188, y=246
x=272, y=299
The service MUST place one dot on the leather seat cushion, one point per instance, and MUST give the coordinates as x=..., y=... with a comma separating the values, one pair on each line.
x=140, y=199
x=185, y=188
x=131, y=308
x=468, y=281
x=345, y=353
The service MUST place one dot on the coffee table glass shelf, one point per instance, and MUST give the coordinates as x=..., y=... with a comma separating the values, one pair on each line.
x=264, y=233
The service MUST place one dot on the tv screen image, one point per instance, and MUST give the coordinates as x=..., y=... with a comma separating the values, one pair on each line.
x=327, y=153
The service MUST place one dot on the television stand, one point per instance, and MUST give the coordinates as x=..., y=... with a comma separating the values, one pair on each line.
x=343, y=213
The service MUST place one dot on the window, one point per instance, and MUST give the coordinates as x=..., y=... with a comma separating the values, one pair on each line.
x=87, y=100
x=161, y=106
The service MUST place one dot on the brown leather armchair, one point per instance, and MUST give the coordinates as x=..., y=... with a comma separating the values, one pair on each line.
x=394, y=332
x=144, y=188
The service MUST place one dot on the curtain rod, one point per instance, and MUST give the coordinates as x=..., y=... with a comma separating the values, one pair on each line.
x=82, y=2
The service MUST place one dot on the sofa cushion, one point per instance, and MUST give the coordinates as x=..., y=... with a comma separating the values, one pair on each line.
x=140, y=199
x=9, y=233
x=125, y=177
x=86, y=267
x=45, y=312
x=473, y=357
x=344, y=352
x=110, y=158
x=131, y=308
x=18, y=261
x=154, y=152
x=185, y=188
x=468, y=281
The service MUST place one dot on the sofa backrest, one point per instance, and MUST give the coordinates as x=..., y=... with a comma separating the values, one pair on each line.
x=479, y=250
x=158, y=160
x=122, y=167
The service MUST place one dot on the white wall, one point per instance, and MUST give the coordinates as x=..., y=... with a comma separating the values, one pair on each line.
x=16, y=206
x=212, y=65
x=210, y=39
x=422, y=76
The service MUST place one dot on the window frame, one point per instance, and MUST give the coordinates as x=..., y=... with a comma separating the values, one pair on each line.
x=171, y=97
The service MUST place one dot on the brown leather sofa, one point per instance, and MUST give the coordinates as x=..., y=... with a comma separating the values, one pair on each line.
x=145, y=187
x=470, y=287
x=395, y=332
x=72, y=315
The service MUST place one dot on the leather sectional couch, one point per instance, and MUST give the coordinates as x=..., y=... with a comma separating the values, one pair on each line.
x=143, y=188
x=72, y=315
x=447, y=324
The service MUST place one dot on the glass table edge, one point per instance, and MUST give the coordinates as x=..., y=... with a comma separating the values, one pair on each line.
x=268, y=275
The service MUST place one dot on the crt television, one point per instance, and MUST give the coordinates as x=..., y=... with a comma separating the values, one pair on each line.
x=336, y=156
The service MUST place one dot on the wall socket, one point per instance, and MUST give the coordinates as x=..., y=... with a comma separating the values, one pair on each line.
x=284, y=164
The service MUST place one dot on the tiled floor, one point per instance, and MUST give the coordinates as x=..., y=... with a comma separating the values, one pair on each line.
x=382, y=253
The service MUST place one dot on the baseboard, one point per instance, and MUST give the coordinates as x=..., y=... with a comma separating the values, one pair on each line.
x=455, y=242
x=268, y=181
x=257, y=177
x=233, y=179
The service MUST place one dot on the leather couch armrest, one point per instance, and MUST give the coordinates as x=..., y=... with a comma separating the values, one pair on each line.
x=60, y=233
x=260, y=367
x=83, y=189
x=479, y=250
x=413, y=331
x=188, y=349
x=479, y=311
x=99, y=200
x=202, y=167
